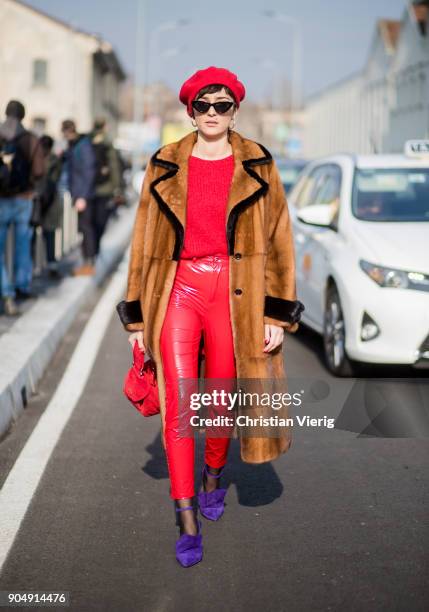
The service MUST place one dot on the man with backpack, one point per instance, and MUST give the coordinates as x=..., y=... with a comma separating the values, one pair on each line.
x=108, y=185
x=80, y=167
x=21, y=164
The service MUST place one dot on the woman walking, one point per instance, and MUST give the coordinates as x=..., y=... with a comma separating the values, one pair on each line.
x=229, y=279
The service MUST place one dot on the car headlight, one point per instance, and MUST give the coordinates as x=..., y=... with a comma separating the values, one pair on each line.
x=390, y=277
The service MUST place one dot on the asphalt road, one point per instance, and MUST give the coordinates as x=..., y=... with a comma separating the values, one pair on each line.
x=340, y=522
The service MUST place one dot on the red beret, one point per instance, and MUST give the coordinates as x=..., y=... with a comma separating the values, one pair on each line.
x=210, y=76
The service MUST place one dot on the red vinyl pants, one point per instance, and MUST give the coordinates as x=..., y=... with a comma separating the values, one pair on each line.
x=199, y=304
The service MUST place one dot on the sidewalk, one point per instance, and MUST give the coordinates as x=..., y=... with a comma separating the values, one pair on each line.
x=27, y=343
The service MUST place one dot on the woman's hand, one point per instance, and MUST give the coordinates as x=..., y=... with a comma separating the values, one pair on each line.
x=139, y=337
x=274, y=335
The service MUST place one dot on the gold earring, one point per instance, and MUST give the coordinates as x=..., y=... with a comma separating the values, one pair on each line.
x=231, y=126
x=194, y=124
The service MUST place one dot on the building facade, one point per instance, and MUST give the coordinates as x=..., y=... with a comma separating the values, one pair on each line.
x=386, y=103
x=56, y=71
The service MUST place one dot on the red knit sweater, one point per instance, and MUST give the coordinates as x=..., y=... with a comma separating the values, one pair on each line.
x=209, y=181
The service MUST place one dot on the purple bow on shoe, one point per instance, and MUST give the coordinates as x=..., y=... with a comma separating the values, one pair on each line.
x=189, y=548
x=212, y=503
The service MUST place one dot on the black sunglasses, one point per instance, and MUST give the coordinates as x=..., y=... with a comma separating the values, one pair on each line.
x=220, y=107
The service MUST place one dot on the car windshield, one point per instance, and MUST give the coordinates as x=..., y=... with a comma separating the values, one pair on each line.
x=393, y=194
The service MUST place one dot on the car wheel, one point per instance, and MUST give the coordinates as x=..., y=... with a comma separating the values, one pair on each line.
x=334, y=337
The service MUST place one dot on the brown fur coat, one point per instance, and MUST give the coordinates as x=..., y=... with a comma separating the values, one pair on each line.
x=262, y=265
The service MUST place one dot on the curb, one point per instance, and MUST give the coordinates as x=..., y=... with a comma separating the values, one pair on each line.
x=27, y=348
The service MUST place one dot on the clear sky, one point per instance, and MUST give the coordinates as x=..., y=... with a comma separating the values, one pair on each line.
x=336, y=36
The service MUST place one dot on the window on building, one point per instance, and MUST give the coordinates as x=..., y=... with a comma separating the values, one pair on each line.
x=40, y=72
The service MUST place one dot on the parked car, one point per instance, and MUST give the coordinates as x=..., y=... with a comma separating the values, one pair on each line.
x=289, y=170
x=361, y=231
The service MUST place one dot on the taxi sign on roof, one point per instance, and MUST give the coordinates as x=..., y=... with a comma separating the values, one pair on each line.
x=417, y=148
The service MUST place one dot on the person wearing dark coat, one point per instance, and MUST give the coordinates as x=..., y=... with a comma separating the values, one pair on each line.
x=51, y=203
x=21, y=164
x=107, y=181
x=81, y=172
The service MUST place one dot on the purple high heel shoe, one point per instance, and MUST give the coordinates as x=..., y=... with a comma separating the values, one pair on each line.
x=189, y=548
x=212, y=503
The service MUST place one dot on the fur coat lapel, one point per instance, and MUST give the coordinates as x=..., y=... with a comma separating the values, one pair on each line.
x=170, y=188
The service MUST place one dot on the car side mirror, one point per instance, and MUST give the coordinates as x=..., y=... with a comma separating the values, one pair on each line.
x=318, y=214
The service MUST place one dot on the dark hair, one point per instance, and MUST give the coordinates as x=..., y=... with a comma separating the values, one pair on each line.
x=15, y=109
x=46, y=142
x=212, y=89
x=68, y=124
x=99, y=124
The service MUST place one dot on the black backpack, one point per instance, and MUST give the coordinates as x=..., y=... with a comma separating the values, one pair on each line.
x=15, y=167
x=101, y=151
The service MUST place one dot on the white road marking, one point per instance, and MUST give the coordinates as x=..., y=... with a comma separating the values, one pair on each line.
x=21, y=483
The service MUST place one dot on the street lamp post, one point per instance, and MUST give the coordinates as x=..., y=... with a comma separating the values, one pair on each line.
x=141, y=62
x=296, y=54
x=139, y=75
x=266, y=62
x=154, y=39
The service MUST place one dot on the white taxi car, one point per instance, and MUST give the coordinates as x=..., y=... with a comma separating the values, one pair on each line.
x=361, y=231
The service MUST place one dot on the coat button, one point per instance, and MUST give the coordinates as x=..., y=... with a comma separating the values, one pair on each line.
x=238, y=292
x=237, y=256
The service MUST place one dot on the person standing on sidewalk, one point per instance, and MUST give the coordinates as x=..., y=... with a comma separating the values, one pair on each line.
x=21, y=164
x=107, y=179
x=80, y=162
x=51, y=203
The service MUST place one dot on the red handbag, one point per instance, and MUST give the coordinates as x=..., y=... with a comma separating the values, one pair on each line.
x=140, y=384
